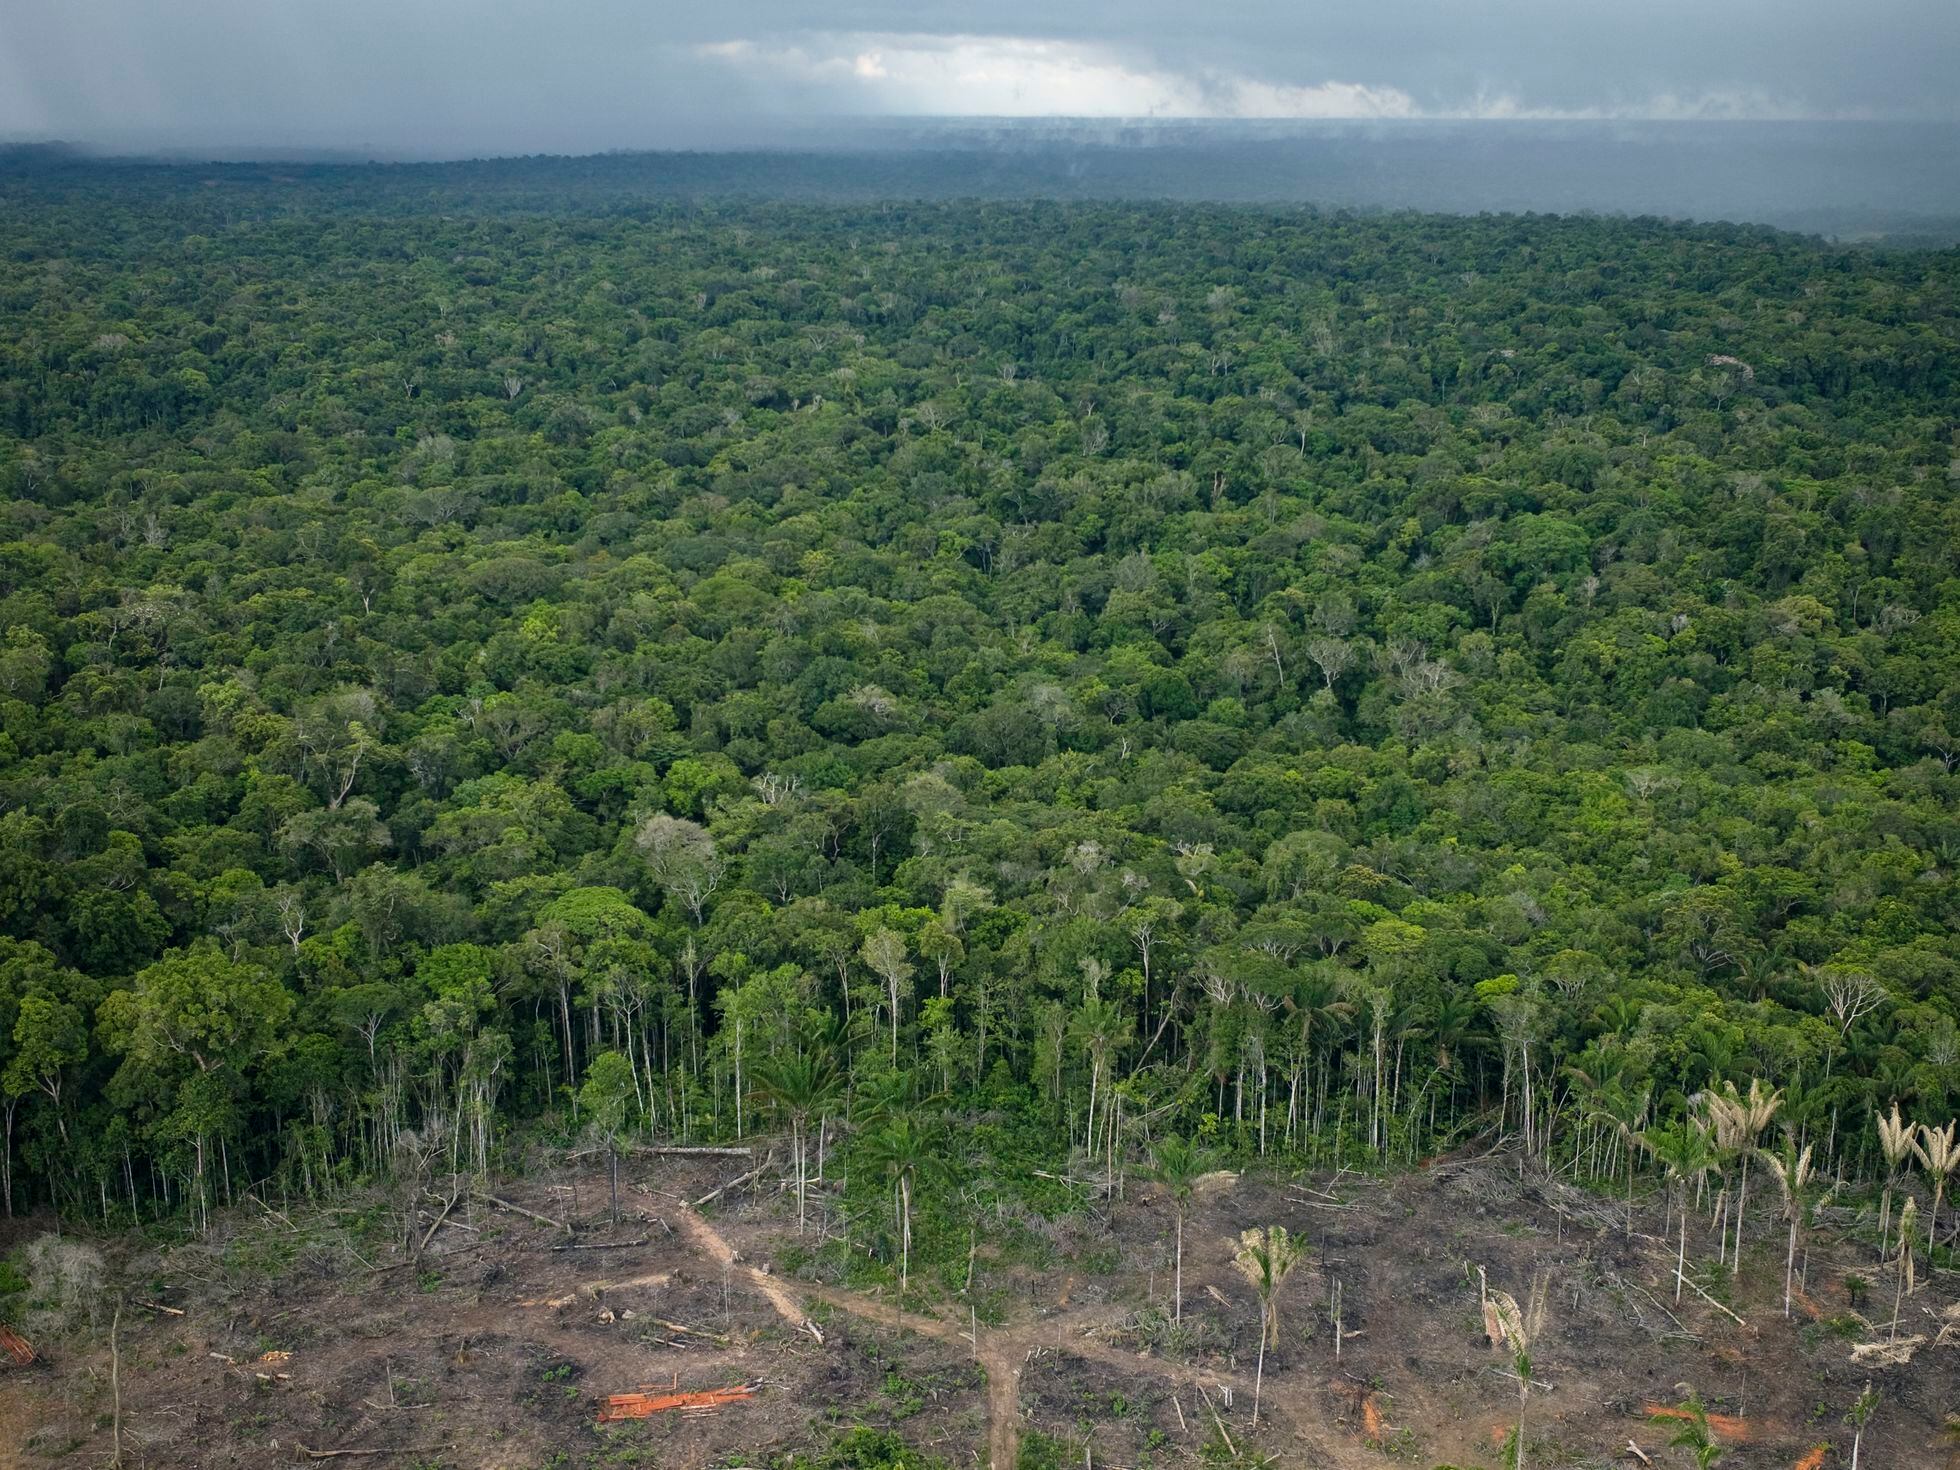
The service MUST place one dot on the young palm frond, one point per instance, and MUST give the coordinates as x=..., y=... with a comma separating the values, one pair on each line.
x=1694, y=1435
x=1753, y=1114
x=1686, y=1152
x=1794, y=1177
x=1265, y=1258
x=1908, y=1221
x=1938, y=1155
x=804, y=1087
x=1177, y=1164
x=1509, y=1325
x=1895, y=1140
x=904, y=1152
x=1858, y=1416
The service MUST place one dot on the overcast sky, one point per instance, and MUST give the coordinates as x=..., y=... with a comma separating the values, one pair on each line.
x=462, y=77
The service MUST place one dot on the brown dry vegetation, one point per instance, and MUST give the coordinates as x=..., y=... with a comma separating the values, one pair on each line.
x=440, y=1363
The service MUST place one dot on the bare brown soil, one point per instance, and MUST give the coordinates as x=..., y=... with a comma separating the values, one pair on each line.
x=442, y=1363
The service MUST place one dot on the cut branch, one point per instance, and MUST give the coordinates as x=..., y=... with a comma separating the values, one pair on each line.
x=429, y=1234
x=714, y=1194
x=504, y=1204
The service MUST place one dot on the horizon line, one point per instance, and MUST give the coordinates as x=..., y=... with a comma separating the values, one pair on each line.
x=229, y=152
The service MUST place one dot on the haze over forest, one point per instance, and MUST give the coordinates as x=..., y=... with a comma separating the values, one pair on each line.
x=1811, y=115
x=1853, y=181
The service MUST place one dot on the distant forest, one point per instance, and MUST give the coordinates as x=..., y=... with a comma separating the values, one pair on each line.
x=1891, y=183
x=963, y=684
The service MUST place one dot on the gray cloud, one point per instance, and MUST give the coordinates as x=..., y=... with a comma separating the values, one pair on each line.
x=443, y=77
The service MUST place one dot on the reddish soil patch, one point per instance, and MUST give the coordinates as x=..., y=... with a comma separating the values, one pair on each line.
x=1724, y=1426
x=1371, y=1418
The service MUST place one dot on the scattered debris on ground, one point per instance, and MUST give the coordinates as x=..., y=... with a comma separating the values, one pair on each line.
x=1438, y=1274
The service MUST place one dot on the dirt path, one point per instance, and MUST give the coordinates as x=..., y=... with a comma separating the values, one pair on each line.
x=1003, y=1354
x=715, y=1245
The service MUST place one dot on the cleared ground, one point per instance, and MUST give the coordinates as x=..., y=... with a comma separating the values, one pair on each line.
x=496, y=1348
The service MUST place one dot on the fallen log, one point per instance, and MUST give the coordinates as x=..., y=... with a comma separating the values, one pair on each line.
x=672, y=1151
x=438, y=1256
x=593, y=1290
x=313, y=1454
x=283, y=1220
x=1673, y=1270
x=622, y=1406
x=504, y=1204
x=603, y=1245
x=1222, y=1431
x=714, y=1194
x=684, y=1151
x=437, y=1225
x=686, y=1331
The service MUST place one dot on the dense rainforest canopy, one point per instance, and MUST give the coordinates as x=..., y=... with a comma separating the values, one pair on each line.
x=1305, y=681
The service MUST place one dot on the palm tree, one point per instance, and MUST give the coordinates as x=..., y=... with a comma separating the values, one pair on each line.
x=1857, y=1416
x=1316, y=1001
x=1265, y=1257
x=1624, y=1111
x=1517, y=1327
x=1794, y=1177
x=1452, y=1025
x=1938, y=1155
x=1684, y=1151
x=1176, y=1165
x=1736, y=1121
x=1521, y=1360
x=1381, y=1003
x=1908, y=1218
x=1101, y=1028
x=805, y=1087
x=881, y=1095
x=1895, y=1140
x=902, y=1151
x=1751, y=1114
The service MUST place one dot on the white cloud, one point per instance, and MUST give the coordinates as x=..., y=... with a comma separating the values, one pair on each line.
x=1015, y=76
x=1020, y=76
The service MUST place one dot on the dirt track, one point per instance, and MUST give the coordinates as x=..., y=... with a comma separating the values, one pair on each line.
x=1001, y=1353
